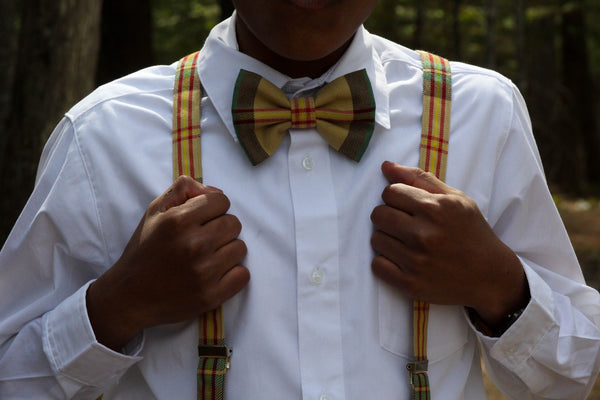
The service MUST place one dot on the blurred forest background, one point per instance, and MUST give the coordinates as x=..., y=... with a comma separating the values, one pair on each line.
x=55, y=52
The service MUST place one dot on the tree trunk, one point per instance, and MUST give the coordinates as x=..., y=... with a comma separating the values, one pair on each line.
x=8, y=54
x=579, y=89
x=520, y=43
x=126, y=44
x=56, y=64
x=418, y=42
x=457, y=39
x=491, y=12
x=543, y=98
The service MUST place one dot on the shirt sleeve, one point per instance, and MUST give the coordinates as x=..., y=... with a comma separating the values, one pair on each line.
x=47, y=346
x=552, y=350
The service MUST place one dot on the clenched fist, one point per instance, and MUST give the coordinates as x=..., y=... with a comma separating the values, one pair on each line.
x=183, y=260
x=434, y=245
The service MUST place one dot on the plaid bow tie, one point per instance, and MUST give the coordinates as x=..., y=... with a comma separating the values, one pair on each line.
x=343, y=112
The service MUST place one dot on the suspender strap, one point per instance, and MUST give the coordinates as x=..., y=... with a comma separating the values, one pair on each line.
x=437, y=93
x=214, y=355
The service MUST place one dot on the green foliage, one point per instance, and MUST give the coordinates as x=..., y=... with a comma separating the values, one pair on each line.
x=180, y=27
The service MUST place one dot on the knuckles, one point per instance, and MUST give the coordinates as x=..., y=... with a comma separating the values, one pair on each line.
x=428, y=237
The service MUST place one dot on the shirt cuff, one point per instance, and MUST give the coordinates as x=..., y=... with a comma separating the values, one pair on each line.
x=75, y=355
x=519, y=341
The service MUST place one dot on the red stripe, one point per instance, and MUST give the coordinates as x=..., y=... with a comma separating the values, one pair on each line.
x=190, y=114
x=298, y=110
x=271, y=120
x=179, y=99
x=260, y=120
x=180, y=130
x=203, y=387
x=204, y=329
x=253, y=110
x=419, y=355
x=358, y=111
x=215, y=323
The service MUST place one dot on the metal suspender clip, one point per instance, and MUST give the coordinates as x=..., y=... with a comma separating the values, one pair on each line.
x=417, y=367
x=217, y=351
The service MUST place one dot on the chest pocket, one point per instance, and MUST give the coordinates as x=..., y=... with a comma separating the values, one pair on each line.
x=448, y=329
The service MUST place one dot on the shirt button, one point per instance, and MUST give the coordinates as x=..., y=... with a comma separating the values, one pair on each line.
x=324, y=397
x=308, y=163
x=316, y=277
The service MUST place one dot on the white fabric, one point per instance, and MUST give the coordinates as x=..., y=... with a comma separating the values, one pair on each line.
x=313, y=321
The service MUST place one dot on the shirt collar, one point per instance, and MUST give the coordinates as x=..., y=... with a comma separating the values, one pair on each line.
x=220, y=61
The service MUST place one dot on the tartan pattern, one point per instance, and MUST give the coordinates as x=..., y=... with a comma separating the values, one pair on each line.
x=343, y=112
x=186, y=120
x=437, y=96
x=211, y=378
x=420, y=323
x=187, y=154
x=420, y=385
x=304, y=113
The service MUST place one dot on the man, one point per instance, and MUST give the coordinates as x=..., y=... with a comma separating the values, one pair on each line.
x=314, y=321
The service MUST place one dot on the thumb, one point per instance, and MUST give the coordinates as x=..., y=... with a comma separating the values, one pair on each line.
x=183, y=189
x=416, y=177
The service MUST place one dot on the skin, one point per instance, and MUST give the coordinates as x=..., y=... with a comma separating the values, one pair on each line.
x=299, y=41
x=434, y=244
x=185, y=257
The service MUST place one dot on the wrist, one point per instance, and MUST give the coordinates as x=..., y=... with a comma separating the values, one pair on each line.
x=494, y=330
x=109, y=317
x=507, y=293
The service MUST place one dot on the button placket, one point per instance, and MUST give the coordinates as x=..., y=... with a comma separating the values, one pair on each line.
x=317, y=260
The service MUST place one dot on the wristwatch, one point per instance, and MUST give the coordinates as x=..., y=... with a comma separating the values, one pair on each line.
x=498, y=330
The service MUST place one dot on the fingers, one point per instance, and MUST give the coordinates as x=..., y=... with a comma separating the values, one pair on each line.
x=392, y=221
x=415, y=177
x=232, y=282
x=389, y=272
x=203, y=208
x=220, y=231
x=183, y=189
x=221, y=276
x=405, y=198
x=392, y=249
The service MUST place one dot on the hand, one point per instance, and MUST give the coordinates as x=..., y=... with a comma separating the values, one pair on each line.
x=434, y=245
x=182, y=260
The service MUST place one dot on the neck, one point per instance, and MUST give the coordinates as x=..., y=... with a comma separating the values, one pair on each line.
x=252, y=46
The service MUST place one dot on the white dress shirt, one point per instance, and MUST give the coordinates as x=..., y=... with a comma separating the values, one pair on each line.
x=313, y=323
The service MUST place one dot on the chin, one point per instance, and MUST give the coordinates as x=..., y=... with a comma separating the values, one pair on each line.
x=300, y=51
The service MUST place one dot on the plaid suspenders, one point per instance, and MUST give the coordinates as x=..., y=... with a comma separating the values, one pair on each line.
x=437, y=93
x=187, y=152
x=214, y=354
